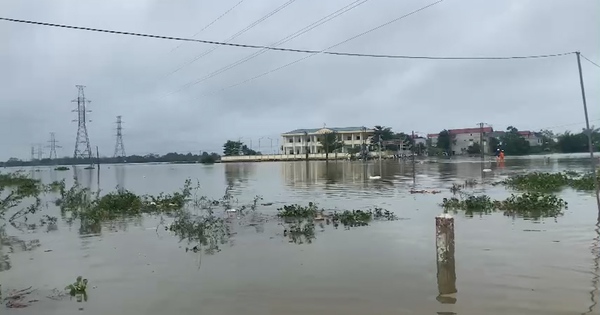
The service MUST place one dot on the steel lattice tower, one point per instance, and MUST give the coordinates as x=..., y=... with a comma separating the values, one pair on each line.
x=53, y=145
x=32, y=153
x=119, y=147
x=82, y=141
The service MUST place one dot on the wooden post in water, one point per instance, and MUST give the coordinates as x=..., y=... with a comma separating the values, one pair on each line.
x=446, y=267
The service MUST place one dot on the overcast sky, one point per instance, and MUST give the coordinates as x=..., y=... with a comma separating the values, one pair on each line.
x=133, y=76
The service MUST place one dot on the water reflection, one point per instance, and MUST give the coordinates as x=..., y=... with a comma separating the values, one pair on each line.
x=595, y=271
x=120, y=176
x=238, y=173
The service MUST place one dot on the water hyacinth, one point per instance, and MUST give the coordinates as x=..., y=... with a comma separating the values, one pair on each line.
x=527, y=205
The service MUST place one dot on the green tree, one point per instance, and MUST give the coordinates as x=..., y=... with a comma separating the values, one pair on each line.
x=474, y=148
x=404, y=139
x=232, y=148
x=513, y=143
x=548, y=140
x=248, y=151
x=381, y=134
x=330, y=142
x=209, y=158
x=493, y=144
x=444, y=141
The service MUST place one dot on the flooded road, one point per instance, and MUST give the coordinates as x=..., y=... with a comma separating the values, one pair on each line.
x=504, y=265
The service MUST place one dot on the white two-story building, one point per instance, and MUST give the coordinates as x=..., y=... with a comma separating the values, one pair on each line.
x=300, y=140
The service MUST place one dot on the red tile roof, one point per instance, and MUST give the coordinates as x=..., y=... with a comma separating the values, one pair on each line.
x=454, y=132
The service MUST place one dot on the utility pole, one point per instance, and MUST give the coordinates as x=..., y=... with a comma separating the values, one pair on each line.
x=306, y=145
x=119, y=147
x=363, y=152
x=83, y=149
x=53, y=145
x=481, y=145
x=589, y=132
x=412, y=149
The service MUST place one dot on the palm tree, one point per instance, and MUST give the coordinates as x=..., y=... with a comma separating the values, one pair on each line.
x=330, y=142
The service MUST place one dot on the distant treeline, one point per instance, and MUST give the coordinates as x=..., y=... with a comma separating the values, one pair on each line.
x=172, y=157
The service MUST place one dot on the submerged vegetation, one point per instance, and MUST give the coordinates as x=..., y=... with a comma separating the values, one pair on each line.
x=299, y=221
x=550, y=182
x=527, y=205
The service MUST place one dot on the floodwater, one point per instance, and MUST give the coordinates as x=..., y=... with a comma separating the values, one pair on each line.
x=504, y=265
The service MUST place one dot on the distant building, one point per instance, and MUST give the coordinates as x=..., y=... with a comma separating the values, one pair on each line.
x=299, y=140
x=534, y=138
x=462, y=139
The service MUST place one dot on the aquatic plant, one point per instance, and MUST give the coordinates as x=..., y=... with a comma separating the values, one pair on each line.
x=15, y=188
x=528, y=205
x=551, y=182
x=471, y=204
x=383, y=214
x=78, y=289
x=352, y=218
x=208, y=231
x=62, y=168
x=538, y=181
x=296, y=211
x=532, y=205
x=300, y=231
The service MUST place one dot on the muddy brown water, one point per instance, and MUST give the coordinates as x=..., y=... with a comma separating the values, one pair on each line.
x=503, y=265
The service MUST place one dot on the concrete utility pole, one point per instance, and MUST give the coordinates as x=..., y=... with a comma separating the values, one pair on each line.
x=481, y=145
x=412, y=149
x=589, y=132
x=306, y=145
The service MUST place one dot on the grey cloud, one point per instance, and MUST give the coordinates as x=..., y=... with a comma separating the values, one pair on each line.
x=128, y=76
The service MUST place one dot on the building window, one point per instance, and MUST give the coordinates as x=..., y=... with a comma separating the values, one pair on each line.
x=349, y=138
x=308, y=140
x=299, y=140
x=357, y=137
x=291, y=140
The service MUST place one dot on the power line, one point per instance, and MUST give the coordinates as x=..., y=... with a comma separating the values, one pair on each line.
x=586, y=58
x=228, y=41
x=333, y=46
x=300, y=32
x=304, y=51
x=211, y=23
